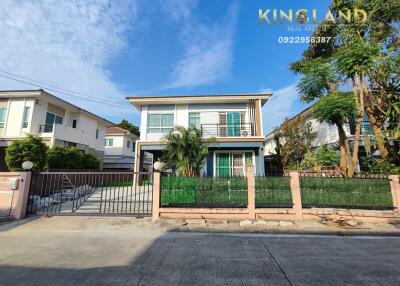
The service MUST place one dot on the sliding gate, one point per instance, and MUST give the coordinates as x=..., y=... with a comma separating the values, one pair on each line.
x=91, y=193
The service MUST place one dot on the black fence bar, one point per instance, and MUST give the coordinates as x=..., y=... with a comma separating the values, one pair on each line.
x=124, y=193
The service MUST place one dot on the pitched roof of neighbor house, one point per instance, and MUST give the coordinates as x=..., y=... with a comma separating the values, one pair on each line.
x=117, y=130
x=139, y=101
x=37, y=93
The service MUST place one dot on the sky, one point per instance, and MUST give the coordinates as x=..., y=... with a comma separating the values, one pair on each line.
x=101, y=51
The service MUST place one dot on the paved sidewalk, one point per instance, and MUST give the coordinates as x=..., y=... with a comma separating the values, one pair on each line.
x=129, y=251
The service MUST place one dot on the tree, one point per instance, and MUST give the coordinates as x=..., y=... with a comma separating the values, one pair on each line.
x=326, y=156
x=28, y=149
x=124, y=124
x=186, y=151
x=90, y=162
x=293, y=140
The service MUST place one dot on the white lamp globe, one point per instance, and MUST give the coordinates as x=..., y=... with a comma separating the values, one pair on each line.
x=27, y=165
x=158, y=165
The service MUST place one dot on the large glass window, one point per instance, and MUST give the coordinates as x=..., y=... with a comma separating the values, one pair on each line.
x=51, y=118
x=25, y=119
x=233, y=163
x=194, y=120
x=3, y=111
x=160, y=123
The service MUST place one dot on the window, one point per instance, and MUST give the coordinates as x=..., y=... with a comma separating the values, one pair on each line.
x=3, y=111
x=109, y=142
x=160, y=123
x=232, y=163
x=194, y=120
x=25, y=117
x=128, y=144
x=51, y=119
x=74, y=122
x=97, y=133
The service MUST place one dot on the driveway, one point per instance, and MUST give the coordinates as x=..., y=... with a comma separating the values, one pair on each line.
x=129, y=251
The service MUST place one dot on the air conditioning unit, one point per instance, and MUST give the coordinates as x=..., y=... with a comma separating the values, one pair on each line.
x=245, y=133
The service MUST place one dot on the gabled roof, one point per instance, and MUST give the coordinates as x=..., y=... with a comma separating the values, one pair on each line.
x=37, y=93
x=117, y=130
x=139, y=101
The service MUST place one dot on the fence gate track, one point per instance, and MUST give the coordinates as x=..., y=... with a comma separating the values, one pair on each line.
x=91, y=193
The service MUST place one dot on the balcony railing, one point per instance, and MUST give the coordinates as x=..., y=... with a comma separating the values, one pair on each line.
x=227, y=130
x=47, y=128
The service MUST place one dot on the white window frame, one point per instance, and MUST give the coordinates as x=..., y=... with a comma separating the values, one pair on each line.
x=230, y=152
x=161, y=121
x=109, y=140
x=199, y=127
x=3, y=123
x=26, y=116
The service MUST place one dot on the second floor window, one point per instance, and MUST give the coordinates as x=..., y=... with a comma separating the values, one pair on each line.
x=97, y=133
x=160, y=123
x=52, y=118
x=25, y=119
x=3, y=111
x=194, y=119
x=128, y=144
x=109, y=142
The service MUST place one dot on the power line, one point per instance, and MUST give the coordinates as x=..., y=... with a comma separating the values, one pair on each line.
x=84, y=97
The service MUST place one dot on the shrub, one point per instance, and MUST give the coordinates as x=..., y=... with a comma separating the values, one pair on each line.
x=28, y=149
x=90, y=162
x=71, y=158
x=382, y=166
x=326, y=156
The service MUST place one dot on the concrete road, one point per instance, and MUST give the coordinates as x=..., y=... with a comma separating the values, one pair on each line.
x=129, y=251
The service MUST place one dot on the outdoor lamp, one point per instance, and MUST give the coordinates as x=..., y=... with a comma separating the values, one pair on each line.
x=158, y=165
x=27, y=165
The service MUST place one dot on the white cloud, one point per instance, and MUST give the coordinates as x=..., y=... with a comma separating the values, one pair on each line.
x=66, y=43
x=279, y=106
x=208, y=50
x=179, y=9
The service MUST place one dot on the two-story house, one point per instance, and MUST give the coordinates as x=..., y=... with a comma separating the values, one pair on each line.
x=56, y=121
x=234, y=120
x=119, y=151
x=325, y=134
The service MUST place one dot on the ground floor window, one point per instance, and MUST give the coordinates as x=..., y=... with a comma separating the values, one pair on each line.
x=233, y=163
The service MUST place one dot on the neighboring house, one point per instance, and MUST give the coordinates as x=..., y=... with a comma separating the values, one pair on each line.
x=57, y=122
x=235, y=121
x=325, y=134
x=119, y=149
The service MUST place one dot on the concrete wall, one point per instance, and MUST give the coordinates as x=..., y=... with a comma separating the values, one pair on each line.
x=14, y=201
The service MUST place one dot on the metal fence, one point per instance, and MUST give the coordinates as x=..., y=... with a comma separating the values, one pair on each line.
x=363, y=192
x=273, y=192
x=91, y=193
x=203, y=192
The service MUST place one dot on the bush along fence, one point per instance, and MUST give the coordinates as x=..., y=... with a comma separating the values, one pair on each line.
x=291, y=196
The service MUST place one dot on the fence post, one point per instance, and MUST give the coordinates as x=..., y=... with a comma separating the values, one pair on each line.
x=296, y=196
x=395, y=189
x=251, y=193
x=23, y=195
x=156, y=195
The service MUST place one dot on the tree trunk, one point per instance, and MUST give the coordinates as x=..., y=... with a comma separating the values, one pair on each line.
x=375, y=124
x=343, y=149
x=360, y=114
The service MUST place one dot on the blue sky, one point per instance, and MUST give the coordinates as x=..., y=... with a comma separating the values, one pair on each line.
x=111, y=49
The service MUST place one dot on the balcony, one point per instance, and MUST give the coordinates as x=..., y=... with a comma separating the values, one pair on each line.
x=61, y=132
x=227, y=130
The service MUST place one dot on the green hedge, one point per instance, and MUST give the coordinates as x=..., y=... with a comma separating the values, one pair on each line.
x=343, y=192
x=273, y=192
x=204, y=192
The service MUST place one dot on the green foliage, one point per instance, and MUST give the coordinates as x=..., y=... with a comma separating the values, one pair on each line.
x=273, y=192
x=71, y=159
x=382, y=166
x=124, y=124
x=309, y=161
x=326, y=156
x=28, y=149
x=186, y=151
x=335, y=108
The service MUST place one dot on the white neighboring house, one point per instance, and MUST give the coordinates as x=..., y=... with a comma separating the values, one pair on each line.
x=119, y=149
x=56, y=121
x=325, y=134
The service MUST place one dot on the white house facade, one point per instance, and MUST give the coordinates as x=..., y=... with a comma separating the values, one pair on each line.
x=119, y=153
x=235, y=121
x=57, y=122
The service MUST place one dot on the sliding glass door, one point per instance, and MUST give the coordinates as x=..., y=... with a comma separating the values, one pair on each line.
x=232, y=163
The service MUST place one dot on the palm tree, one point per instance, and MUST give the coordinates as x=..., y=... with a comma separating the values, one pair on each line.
x=186, y=151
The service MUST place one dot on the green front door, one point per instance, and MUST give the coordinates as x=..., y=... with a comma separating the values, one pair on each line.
x=233, y=119
x=223, y=165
